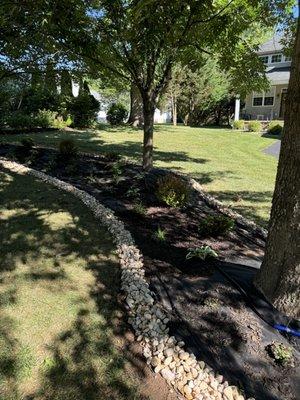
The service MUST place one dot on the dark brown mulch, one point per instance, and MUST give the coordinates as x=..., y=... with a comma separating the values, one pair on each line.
x=212, y=315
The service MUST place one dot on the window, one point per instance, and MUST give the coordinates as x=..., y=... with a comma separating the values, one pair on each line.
x=264, y=59
x=276, y=58
x=287, y=58
x=257, y=101
x=264, y=99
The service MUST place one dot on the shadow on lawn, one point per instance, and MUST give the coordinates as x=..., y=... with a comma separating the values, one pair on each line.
x=88, y=361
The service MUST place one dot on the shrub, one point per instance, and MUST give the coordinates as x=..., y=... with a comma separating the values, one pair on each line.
x=254, y=126
x=216, y=225
x=275, y=128
x=83, y=109
x=23, y=152
x=173, y=191
x=202, y=252
x=67, y=149
x=239, y=124
x=116, y=114
x=18, y=120
x=45, y=118
x=282, y=354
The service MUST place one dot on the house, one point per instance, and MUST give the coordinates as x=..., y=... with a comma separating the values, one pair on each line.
x=270, y=105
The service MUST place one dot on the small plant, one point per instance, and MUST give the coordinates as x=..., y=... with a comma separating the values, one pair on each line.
x=212, y=302
x=202, y=252
x=282, y=354
x=216, y=225
x=133, y=193
x=275, y=128
x=67, y=149
x=173, y=191
x=254, y=126
x=160, y=235
x=116, y=114
x=24, y=151
x=116, y=171
x=139, y=208
x=239, y=125
x=112, y=156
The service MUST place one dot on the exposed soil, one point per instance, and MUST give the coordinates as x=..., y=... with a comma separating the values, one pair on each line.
x=206, y=308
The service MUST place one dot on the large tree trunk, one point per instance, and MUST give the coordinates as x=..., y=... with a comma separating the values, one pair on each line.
x=279, y=276
x=136, y=117
x=149, y=109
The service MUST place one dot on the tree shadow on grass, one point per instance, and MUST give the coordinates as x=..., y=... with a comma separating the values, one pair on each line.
x=88, y=360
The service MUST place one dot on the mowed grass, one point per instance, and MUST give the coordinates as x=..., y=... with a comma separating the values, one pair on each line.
x=229, y=164
x=60, y=323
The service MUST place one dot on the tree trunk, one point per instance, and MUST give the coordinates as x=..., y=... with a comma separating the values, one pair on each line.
x=136, y=117
x=149, y=109
x=279, y=276
x=174, y=109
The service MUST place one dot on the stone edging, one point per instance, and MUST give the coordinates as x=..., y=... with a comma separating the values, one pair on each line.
x=193, y=379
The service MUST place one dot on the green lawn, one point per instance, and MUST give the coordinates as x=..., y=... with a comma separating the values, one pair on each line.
x=229, y=164
x=58, y=311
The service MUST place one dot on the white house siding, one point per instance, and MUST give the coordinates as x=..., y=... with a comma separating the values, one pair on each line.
x=264, y=112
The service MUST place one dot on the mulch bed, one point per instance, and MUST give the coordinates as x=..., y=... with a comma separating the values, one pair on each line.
x=207, y=310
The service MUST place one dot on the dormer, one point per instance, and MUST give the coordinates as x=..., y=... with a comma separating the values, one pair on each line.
x=271, y=53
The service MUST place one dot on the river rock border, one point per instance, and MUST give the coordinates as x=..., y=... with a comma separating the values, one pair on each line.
x=190, y=377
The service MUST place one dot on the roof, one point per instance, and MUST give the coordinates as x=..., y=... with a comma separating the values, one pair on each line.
x=278, y=75
x=271, y=46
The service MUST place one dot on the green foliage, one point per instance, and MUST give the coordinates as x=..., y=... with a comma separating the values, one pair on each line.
x=67, y=149
x=83, y=110
x=160, y=234
x=133, y=192
x=216, y=225
x=202, y=252
x=19, y=120
x=112, y=156
x=45, y=118
x=282, y=354
x=173, y=191
x=212, y=302
x=116, y=114
x=240, y=125
x=254, y=126
x=139, y=208
x=24, y=151
x=275, y=127
x=116, y=170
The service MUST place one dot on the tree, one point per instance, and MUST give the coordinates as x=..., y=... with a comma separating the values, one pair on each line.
x=136, y=117
x=279, y=276
x=66, y=83
x=141, y=41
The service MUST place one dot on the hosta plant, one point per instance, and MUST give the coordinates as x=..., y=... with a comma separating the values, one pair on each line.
x=202, y=252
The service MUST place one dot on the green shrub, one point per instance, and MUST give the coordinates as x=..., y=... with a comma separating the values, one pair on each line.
x=23, y=152
x=173, y=191
x=275, y=128
x=67, y=149
x=83, y=110
x=254, y=126
x=282, y=354
x=202, y=252
x=239, y=124
x=116, y=114
x=216, y=225
x=18, y=120
x=45, y=118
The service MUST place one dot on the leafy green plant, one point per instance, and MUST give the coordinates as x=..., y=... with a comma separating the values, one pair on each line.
x=173, y=191
x=282, y=354
x=45, y=118
x=216, y=225
x=24, y=151
x=116, y=170
x=239, y=125
x=275, y=128
x=67, y=149
x=133, y=192
x=19, y=120
x=202, y=252
x=160, y=234
x=254, y=126
x=139, y=208
x=116, y=114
